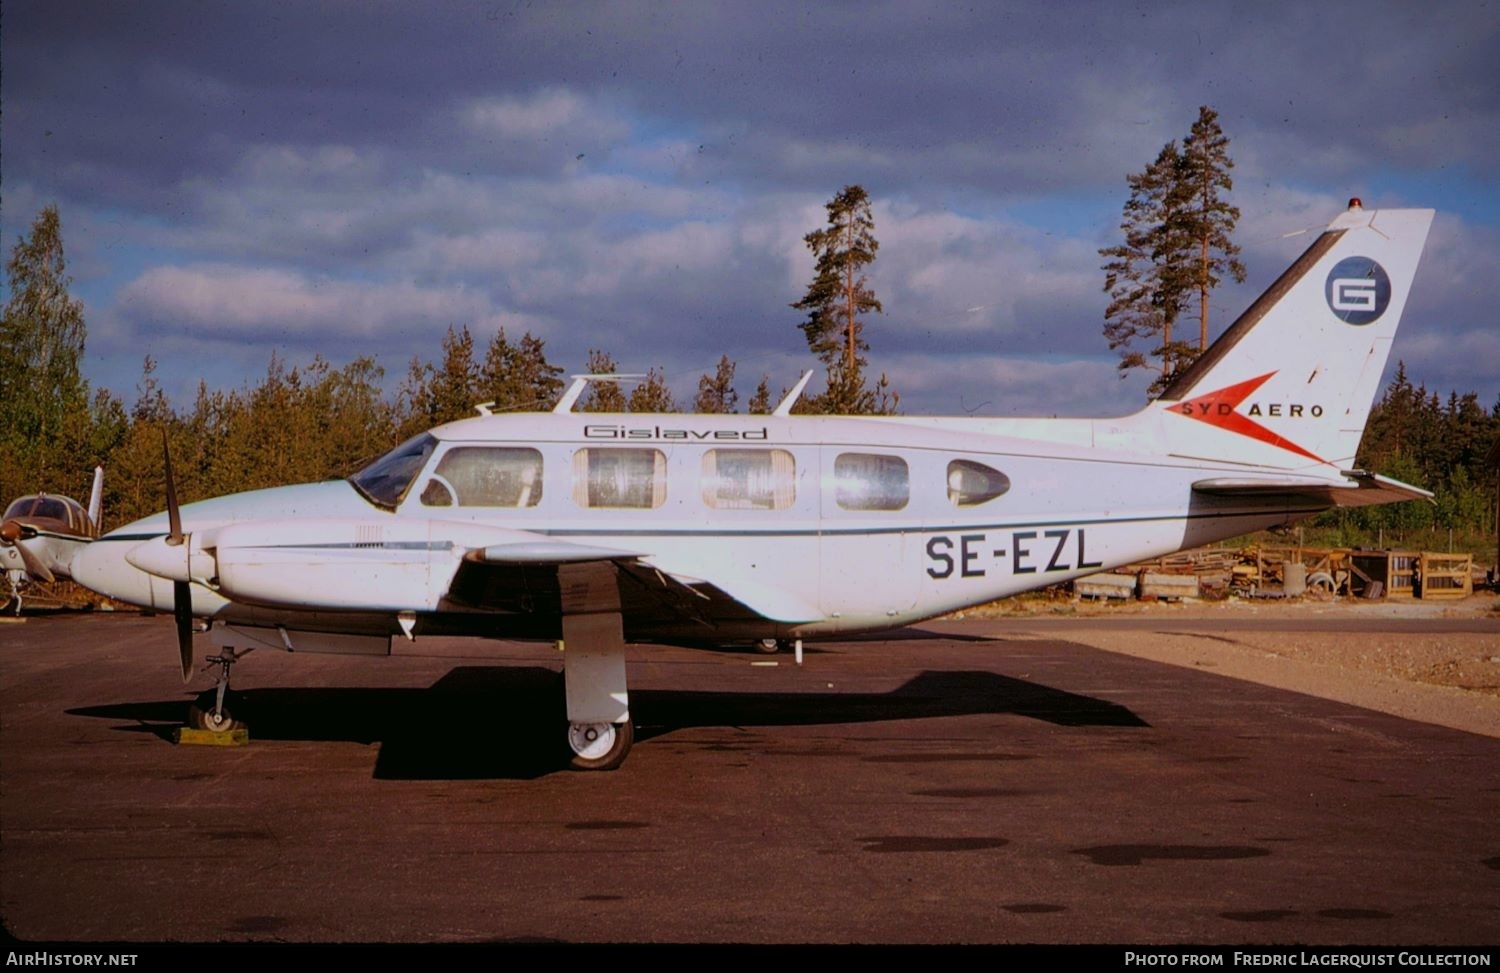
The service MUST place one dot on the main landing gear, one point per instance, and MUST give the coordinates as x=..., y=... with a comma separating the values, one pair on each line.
x=598, y=731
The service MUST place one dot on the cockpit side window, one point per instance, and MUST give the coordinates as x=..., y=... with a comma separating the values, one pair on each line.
x=385, y=481
x=486, y=476
x=871, y=481
x=971, y=483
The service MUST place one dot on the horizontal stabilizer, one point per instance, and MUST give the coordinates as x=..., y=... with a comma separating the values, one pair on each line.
x=1361, y=489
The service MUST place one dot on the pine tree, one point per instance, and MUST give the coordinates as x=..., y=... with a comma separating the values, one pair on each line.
x=716, y=394
x=652, y=395
x=837, y=297
x=1206, y=165
x=760, y=402
x=430, y=395
x=602, y=396
x=411, y=412
x=1146, y=275
x=44, y=401
x=133, y=483
x=455, y=387
x=1176, y=247
x=517, y=376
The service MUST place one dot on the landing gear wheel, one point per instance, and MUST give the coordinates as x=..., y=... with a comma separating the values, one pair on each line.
x=599, y=746
x=769, y=646
x=201, y=715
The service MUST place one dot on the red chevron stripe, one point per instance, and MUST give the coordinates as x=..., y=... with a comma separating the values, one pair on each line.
x=1218, y=409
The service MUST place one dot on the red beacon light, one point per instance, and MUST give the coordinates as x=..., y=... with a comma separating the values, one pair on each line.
x=1356, y=203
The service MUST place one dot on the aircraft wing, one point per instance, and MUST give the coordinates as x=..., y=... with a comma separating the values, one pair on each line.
x=1360, y=489
x=381, y=566
x=524, y=577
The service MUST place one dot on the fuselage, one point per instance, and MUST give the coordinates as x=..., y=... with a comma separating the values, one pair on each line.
x=815, y=525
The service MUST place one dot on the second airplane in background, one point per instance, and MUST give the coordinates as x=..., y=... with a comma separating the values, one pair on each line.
x=41, y=534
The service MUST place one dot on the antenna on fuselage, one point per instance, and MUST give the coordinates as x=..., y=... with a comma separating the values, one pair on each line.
x=580, y=382
x=784, y=407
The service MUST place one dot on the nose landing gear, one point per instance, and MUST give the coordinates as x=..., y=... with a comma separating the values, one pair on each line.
x=214, y=710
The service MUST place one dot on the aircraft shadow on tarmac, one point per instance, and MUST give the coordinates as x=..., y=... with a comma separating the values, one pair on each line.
x=481, y=722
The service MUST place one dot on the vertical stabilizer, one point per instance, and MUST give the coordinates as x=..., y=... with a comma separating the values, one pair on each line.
x=1290, y=384
x=96, y=500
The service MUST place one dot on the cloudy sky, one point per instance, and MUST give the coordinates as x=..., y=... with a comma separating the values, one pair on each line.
x=354, y=178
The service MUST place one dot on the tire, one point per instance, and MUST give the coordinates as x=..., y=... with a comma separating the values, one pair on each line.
x=598, y=746
x=201, y=714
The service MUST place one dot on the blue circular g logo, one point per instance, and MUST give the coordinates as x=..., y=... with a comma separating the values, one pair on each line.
x=1357, y=290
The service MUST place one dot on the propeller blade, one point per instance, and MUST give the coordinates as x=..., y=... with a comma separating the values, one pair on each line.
x=34, y=565
x=182, y=591
x=174, y=519
x=182, y=613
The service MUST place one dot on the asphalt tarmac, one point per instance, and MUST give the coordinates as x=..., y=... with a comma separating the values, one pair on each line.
x=952, y=784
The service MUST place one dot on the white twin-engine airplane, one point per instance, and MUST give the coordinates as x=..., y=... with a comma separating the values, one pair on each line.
x=600, y=530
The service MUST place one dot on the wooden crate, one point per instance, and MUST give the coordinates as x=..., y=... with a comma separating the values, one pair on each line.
x=1396, y=571
x=1445, y=575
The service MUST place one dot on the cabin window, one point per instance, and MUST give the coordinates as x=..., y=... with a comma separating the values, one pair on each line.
x=620, y=478
x=749, y=479
x=871, y=481
x=486, y=476
x=971, y=483
x=385, y=481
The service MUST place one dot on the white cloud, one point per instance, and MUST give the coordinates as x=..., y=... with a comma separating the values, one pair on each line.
x=546, y=114
x=999, y=385
x=282, y=165
x=240, y=303
x=956, y=274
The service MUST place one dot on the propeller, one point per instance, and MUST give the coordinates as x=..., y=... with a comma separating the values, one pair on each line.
x=182, y=591
x=11, y=533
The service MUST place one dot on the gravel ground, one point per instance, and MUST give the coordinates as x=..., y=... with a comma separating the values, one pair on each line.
x=1447, y=678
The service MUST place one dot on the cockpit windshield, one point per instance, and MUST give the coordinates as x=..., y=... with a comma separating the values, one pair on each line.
x=385, y=481
x=38, y=506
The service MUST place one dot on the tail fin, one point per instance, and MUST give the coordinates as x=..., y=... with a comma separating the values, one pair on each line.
x=96, y=500
x=1290, y=384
